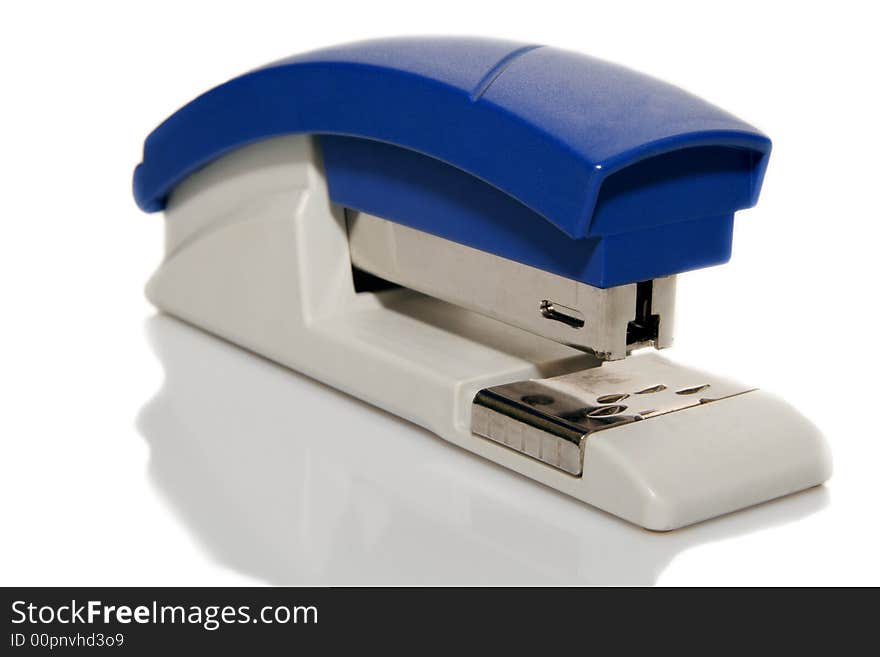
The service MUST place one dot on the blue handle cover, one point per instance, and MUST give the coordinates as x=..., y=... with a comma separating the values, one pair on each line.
x=551, y=158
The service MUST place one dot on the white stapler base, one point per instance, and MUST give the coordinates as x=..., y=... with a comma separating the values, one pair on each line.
x=256, y=253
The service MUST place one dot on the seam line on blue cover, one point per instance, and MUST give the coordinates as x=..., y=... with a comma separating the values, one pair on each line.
x=498, y=69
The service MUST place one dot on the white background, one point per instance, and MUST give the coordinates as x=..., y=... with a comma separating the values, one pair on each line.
x=136, y=450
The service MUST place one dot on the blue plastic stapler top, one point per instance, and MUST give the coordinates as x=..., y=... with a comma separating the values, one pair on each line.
x=550, y=158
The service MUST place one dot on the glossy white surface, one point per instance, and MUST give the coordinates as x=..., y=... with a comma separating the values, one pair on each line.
x=137, y=450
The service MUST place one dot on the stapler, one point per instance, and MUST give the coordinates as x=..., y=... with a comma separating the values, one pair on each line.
x=482, y=237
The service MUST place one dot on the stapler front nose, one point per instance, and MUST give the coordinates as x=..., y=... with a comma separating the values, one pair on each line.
x=476, y=235
x=606, y=322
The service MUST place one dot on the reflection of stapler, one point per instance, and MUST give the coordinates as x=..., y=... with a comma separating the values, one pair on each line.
x=474, y=235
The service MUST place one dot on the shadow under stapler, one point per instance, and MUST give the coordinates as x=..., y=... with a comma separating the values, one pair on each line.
x=291, y=482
